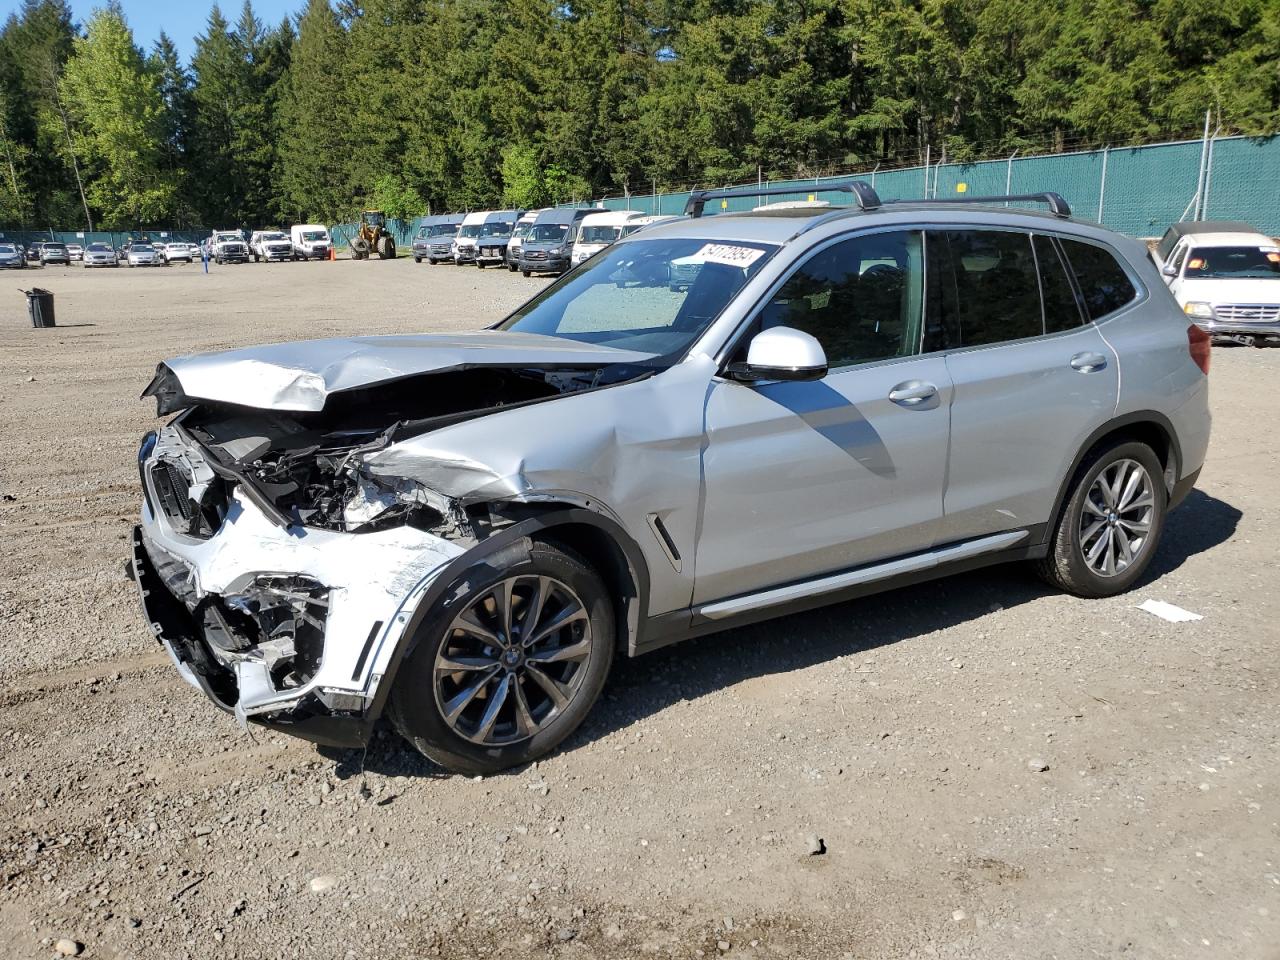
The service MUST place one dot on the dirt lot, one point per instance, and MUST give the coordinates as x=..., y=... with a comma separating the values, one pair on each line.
x=905, y=731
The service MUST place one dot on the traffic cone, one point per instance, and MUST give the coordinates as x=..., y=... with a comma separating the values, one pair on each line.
x=333, y=252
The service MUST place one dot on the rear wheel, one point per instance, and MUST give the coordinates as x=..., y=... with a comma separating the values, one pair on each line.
x=1111, y=523
x=509, y=665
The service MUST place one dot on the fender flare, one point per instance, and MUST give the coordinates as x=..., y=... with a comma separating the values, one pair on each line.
x=489, y=552
x=1111, y=426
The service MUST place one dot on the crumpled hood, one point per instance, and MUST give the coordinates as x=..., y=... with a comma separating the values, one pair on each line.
x=300, y=376
x=1223, y=290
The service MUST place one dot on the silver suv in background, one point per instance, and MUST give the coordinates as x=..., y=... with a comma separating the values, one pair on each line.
x=462, y=531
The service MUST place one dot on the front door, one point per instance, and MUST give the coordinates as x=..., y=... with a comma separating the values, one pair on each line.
x=808, y=478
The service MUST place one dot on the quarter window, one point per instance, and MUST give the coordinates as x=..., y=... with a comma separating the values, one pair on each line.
x=861, y=298
x=1102, y=281
x=1061, y=310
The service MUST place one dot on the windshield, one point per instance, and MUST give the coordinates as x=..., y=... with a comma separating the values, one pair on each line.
x=314, y=235
x=522, y=230
x=274, y=236
x=598, y=234
x=470, y=230
x=141, y=248
x=55, y=246
x=628, y=296
x=8, y=248
x=1257, y=263
x=100, y=248
x=548, y=232
x=444, y=230
x=497, y=229
x=228, y=238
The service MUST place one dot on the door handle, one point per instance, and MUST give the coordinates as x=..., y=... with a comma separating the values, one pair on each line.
x=912, y=393
x=1088, y=362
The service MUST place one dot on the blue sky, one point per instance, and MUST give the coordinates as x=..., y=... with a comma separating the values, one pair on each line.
x=182, y=19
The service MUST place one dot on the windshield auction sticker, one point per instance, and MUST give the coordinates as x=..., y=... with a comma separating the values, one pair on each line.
x=728, y=255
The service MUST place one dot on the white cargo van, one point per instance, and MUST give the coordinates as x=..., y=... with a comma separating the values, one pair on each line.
x=310, y=241
x=464, y=244
x=598, y=230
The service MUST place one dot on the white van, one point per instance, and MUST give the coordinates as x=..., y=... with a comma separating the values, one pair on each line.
x=523, y=226
x=464, y=244
x=310, y=241
x=598, y=230
x=649, y=220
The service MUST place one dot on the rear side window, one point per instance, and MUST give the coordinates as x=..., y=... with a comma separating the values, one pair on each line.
x=1102, y=281
x=1061, y=310
x=860, y=298
x=997, y=292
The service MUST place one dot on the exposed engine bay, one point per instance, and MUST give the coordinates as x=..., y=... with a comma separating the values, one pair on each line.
x=304, y=467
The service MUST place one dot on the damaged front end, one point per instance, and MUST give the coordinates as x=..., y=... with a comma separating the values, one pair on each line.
x=277, y=570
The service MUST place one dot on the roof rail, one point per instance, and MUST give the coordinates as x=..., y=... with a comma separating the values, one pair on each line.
x=1057, y=206
x=863, y=195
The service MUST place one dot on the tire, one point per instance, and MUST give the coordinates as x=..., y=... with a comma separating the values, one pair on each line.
x=479, y=264
x=431, y=261
x=417, y=259
x=1068, y=565
x=525, y=272
x=465, y=746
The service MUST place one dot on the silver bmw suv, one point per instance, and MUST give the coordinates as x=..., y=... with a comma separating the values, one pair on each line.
x=460, y=532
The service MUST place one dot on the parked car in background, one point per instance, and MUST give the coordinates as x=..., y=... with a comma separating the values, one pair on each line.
x=75, y=251
x=491, y=245
x=438, y=244
x=228, y=246
x=464, y=244
x=101, y=255
x=143, y=254
x=598, y=230
x=54, y=252
x=548, y=247
x=270, y=245
x=522, y=228
x=12, y=256
x=420, y=246
x=311, y=241
x=1226, y=278
x=637, y=224
x=611, y=468
x=33, y=252
x=177, y=250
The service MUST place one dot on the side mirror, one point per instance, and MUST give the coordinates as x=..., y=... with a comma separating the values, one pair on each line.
x=1169, y=270
x=781, y=353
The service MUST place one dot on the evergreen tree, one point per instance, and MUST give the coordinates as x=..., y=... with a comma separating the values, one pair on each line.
x=314, y=181
x=120, y=119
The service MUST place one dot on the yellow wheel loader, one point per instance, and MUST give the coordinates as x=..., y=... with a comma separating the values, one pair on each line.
x=372, y=238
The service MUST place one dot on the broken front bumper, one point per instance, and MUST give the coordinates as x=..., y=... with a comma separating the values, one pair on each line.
x=290, y=628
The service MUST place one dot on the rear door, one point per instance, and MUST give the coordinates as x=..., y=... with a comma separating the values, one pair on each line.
x=1032, y=378
x=803, y=479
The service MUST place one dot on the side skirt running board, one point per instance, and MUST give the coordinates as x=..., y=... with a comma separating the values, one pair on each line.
x=723, y=609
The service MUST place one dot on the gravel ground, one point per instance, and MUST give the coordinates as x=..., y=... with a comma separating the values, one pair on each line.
x=988, y=768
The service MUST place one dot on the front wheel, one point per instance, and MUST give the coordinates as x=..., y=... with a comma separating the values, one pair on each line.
x=1111, y=523
x=525, y=272
x=509, y=664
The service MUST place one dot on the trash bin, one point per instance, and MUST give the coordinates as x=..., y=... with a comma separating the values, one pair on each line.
x=40, y=306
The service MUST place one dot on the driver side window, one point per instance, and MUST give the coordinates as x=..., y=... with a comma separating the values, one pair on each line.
x=861, y=298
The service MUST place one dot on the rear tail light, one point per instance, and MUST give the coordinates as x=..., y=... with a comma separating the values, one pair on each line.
x=1198, y=343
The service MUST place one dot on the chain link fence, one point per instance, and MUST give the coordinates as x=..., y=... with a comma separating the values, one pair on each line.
x=1134, y=190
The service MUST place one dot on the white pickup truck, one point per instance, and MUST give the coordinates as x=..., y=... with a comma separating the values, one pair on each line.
x=270, y=245
x=228, y=246
x=1226, y=277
